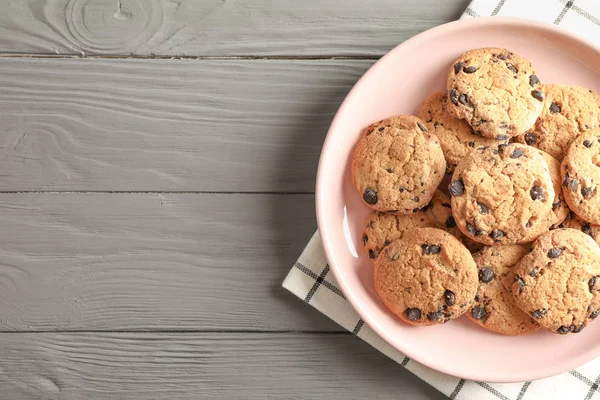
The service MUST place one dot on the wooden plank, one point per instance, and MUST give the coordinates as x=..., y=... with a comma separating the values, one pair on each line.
x=167, y=125
x=217, y=27
x=153, y=261
x=200, y=365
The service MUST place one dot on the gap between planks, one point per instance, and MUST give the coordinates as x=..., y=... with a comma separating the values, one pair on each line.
x=184, y=57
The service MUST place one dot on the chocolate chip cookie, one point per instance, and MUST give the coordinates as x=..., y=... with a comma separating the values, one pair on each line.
x=502, y=195
x=496, y=91
x=574, y=222
x=581, y=177
x=381, y=228
x=426, y=278
x=558, y=282
x=495, y=307
x=397, y=165
x=568, y=112
x=560, y=211
x=456, y=136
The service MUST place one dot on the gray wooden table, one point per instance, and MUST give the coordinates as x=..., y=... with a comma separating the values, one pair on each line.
x=157, y=170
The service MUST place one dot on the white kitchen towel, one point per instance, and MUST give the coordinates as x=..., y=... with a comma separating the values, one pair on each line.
x=311, y=280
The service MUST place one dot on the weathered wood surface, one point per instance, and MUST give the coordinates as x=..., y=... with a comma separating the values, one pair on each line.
x=101, y=261
x=200, y=366
x=167, y=125
x=321, y=28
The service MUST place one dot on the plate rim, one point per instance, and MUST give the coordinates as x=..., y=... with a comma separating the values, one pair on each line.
x=320, y=193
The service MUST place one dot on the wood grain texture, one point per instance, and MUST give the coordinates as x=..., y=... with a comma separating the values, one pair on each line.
x=167, y=125
x=217, y=27
x=153, y=262
x=200, y=365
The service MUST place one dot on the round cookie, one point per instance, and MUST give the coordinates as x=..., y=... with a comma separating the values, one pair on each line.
x=581, y=177
x=574, y=222
x=381, y=228
x=496, y=91
x=560, y=211
x=495, y=308
x=568, y=112
x=397, y=165
x=502, y=195
x=428, y=277
x=456, y=136
x=558, y=282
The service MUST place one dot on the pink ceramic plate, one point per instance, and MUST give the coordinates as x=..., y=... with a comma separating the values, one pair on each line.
x=396, y=85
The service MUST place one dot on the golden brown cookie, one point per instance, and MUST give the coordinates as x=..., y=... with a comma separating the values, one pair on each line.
x=569, y=111
x=581, y=177
x=559, y=206
x=397, y=165
x=558, y=282
x=496, y=91
x=502, y=195
x=428, y=277
x=381, y=228
x=456, y=136
x=495, y=307
x=574, y=222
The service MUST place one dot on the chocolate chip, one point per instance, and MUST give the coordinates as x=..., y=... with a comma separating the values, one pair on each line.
x=454, y=96
x=496, y=235
x=534, y=80
x=538, y=313
x=588, y=230
x=472, y=230
x=372, y=254
x=537, y=193
x=416, y=210
x=563, y=330
x=413, y=314
x=520, y=284
x=381, y=129
x=435, y=316
x=449, y=298
x=486, y=274
x=365, y=239
x=470, y=69
x=479, y=312
x=458, y=67
x=370, y=196
x=471, y=144
x=450, y=222
x=502, y=137
x=538, y=95
x=592, y=283
x=421, y=127
x=416, y=199
x=512, y=68
x=517, y=153
x=390, y=170
x=483, y=209
x=534, y=272
x=570, y=183
x=577, y=329
x=431, y=249
x=462, y=99
x=555, y=252
x=530, y=138
x=573, y=184
x=456, y=188
x=501, y=57
x=586, y=192
x=588, y=143
x=555, y=108
x=556, y=206
x=386, y=243
x=595, y=314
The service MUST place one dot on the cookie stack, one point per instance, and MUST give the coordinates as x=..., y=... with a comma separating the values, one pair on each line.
x=514, y=245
